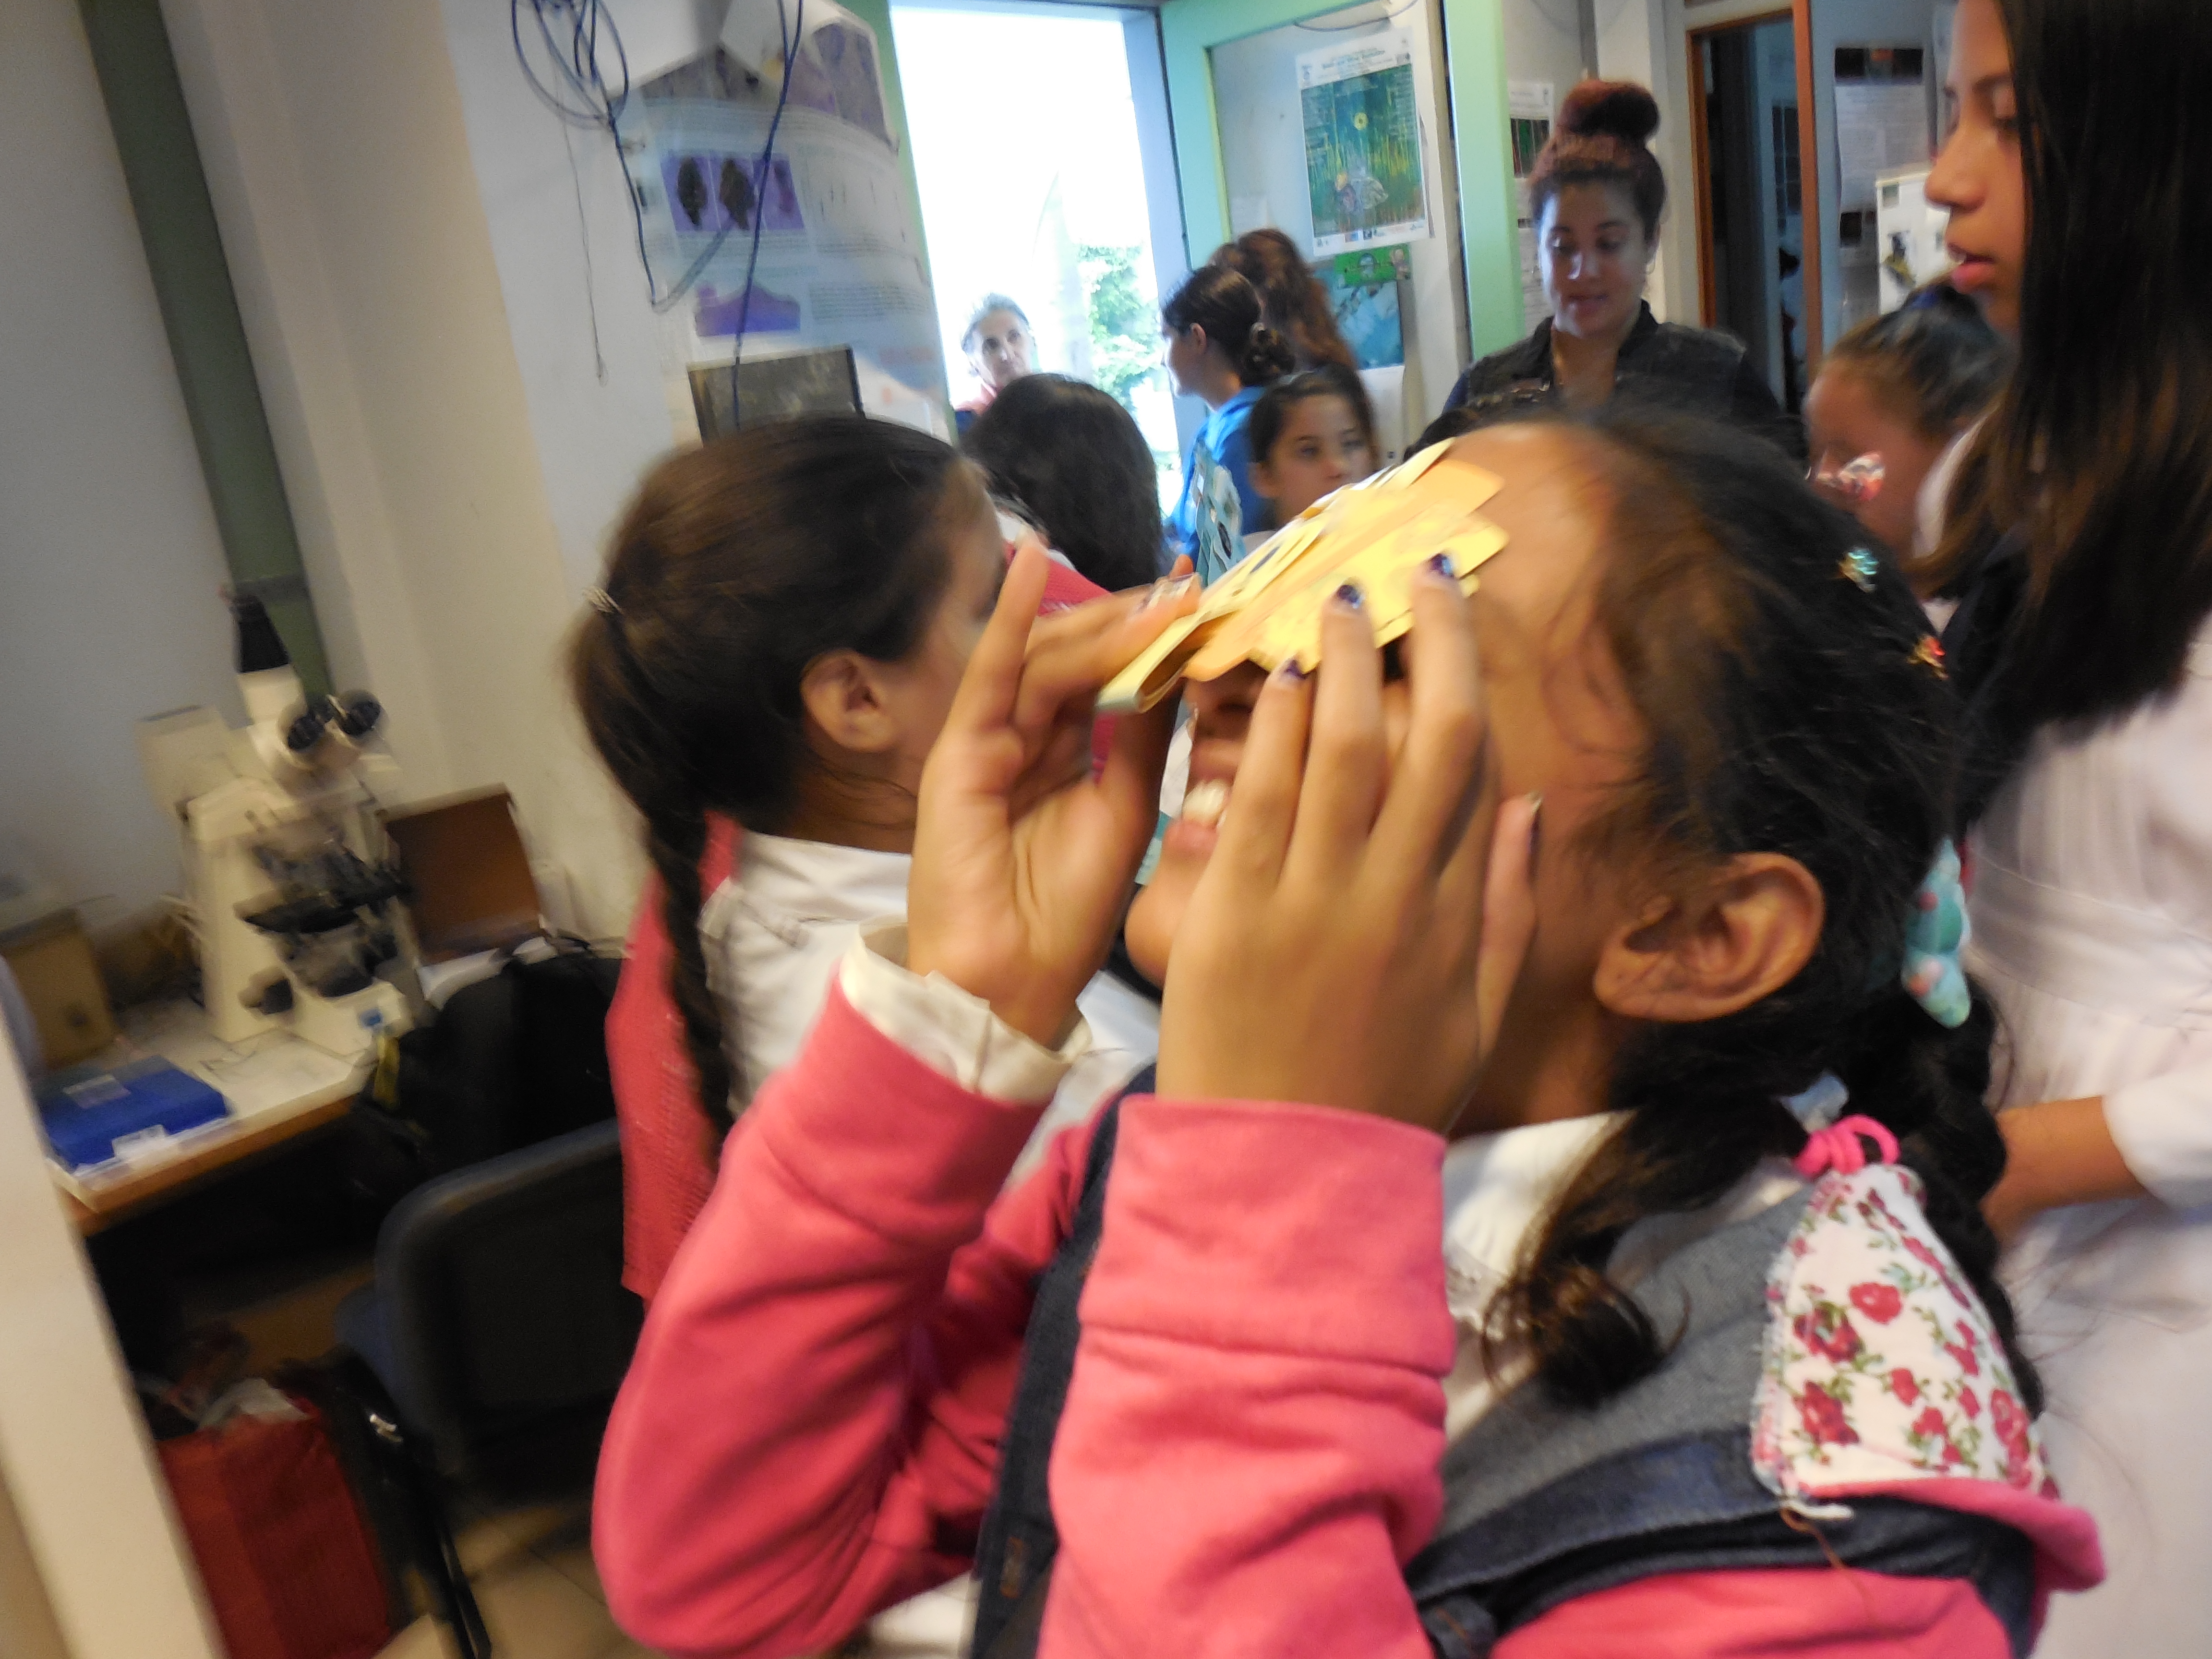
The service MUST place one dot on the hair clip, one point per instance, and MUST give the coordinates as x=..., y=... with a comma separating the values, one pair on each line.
x=1861, y=567
x=602, y=601
x=1934, y=937
x=1928, y=653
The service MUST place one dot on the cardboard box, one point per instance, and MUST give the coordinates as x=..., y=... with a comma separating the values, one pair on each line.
x=53, y=964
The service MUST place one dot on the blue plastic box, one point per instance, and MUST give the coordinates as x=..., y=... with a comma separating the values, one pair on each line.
x=85, y=1113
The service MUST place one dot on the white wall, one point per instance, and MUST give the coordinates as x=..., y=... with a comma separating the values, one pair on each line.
x=1635, y=42
x=91, y=1518
x=567, y=253
x=1543, y=42
x=109, y=564
x=332, y=136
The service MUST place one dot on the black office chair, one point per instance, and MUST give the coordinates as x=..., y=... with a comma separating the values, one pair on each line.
x=498, y=1312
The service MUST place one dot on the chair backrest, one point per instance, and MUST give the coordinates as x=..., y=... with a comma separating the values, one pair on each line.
x=502, y=1285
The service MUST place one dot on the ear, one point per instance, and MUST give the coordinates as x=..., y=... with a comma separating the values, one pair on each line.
x=845, y=699
x=1739, y=936
x=1263, y=479
x=1198, y=337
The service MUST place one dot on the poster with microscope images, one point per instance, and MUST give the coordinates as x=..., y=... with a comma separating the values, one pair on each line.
x=839, y=260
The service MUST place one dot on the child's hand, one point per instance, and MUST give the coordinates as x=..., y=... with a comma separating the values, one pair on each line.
x=1022, y=859
x=1353, y=939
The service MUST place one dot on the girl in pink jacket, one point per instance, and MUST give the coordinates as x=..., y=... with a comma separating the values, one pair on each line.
x=1698, y=1371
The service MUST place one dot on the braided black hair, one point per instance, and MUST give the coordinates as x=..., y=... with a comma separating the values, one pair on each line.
x=1230, y=309
x=1791, y=708
x=738, y=565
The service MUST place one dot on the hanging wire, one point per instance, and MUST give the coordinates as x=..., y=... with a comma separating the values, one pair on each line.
x=581, y=73
x=793, y=39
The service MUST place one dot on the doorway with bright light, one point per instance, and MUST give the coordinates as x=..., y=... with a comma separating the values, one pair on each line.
x=1048, y=176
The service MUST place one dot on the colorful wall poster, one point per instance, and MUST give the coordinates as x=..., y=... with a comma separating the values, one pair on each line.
x=1363, y=133
x=1365, y=292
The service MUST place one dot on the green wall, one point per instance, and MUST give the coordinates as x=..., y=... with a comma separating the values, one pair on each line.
x=1475, y=63
x=207, y=338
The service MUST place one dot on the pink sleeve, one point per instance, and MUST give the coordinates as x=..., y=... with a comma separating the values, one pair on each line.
x=1799, y=1613
x=1249, y=1452
x=809, y=1431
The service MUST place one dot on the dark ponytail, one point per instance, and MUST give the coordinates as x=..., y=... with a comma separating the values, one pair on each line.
x=738, y=565
x=1791, y=709
x=1228, y=308
x=1292, y=300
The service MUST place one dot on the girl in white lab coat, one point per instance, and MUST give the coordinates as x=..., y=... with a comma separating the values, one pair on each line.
x=2080, y=538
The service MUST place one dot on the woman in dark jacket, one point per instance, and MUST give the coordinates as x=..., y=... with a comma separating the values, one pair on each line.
x=1597, y=194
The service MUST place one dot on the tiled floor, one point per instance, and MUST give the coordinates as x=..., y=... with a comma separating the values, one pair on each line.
x=531, y=1570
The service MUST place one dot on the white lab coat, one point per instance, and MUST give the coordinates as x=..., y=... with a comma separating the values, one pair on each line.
x=2092, y=911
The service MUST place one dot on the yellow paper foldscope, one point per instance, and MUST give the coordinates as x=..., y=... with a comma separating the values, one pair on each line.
x=1266, y=608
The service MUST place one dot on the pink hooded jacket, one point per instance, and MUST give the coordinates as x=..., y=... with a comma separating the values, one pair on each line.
x=809, y=1432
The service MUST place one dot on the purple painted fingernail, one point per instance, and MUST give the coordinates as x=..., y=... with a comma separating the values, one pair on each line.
x=1349, y=597
x=1289, y=670
x=1442, y=564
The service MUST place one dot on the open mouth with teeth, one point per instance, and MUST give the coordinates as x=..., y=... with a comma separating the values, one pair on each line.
x=1204, y=802
x=1198, y=826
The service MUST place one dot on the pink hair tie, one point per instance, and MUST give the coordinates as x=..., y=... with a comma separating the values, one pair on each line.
x=1837, y=1147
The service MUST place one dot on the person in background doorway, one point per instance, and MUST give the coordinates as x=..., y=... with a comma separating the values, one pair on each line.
x=1598, y=196
x=1891, y=413
x=1000, y=350
x=1312, y=433
x=1073, y=460
x=1221, y=351
x=2080, y=542
x=1292, y=298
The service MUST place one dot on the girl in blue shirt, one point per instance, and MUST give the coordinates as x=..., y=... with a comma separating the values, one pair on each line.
x=1220, y=351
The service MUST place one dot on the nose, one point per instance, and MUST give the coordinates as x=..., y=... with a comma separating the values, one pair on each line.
x=1949, y=180
x=1225, y=702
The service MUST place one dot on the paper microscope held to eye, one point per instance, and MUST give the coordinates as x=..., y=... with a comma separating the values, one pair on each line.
x=1266, y=608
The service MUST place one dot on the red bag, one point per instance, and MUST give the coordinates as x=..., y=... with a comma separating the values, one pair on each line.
x=281, y=1541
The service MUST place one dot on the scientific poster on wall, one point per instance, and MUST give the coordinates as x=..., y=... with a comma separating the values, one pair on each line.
x=1881, y=117
x=1363, y=133
x=839, y=261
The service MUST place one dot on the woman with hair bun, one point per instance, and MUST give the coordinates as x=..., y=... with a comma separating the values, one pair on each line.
x=1220, y=350
x=1598, y=195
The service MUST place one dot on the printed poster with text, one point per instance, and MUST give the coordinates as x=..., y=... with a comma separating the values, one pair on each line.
x=839, y=260
x=1362, y=132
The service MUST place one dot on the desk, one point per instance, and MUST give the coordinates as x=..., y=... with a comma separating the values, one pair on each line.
x=279, y=1089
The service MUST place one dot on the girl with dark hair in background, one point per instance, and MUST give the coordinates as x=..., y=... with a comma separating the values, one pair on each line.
x=1719, y=1375
x=1221, y=351
x=1292, y=298
x=2076, y=173
x=1598, y=195
x=1072, y=459
x=1312, y=433
x=1890, y=414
